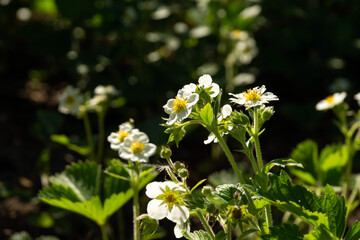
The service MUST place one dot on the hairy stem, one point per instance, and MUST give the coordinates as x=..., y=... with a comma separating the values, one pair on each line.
x=229, y=156
x=205, y=224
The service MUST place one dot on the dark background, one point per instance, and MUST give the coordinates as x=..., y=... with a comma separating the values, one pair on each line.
x=307, y=50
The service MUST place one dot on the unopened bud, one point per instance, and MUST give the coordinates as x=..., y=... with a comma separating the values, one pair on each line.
x=267, y=113
x=211, y=208
x=207, y=191
x=165, y=152
x=179, y=165
x=183, y=173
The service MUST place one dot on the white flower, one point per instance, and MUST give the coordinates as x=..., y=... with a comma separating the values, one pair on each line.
x=238, y=34
x=330, y=101
x=96, y=102
x=181, y=227
x=357, y=98
x=136, y=147
x=180, y=107
x=245, y=51
x=167, y=201
x=225, y=111
x=250, y=12
x=205, y=81
x=117, y=138
x=70, y=100
x=253, y=97
x=108, y=90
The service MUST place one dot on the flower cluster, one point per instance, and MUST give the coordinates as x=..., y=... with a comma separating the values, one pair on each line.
x=131, y=144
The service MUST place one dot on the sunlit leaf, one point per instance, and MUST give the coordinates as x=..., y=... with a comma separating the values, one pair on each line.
x=281, y=162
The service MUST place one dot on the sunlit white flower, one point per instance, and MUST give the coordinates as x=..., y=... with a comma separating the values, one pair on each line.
x=70, y=100
x=357, y=98
x=136, y=147
x=179, y=227
x=180, y=107
x=225, y=111
x=253, y=97
x=108, y=90
x=205, y=81
x=96, y=102
x=330, y=101
x=250, y=12
x=167, y=201
x=117, y=138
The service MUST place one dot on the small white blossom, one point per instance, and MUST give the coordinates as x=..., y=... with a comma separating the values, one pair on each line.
x=250, y=12
x=357, y=98
x=225, y=111
x=330, y=101
x=117, y=138
x=167, y=201
x=238, y=34
x=205, y=81
x=253, y=97
x=180, y=107
x=96, y=102
x=108, y=90
x=70, y=101
x=245, y=51
x=136, y=147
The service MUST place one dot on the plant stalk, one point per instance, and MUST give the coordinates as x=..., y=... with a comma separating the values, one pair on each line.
x=205, y=224
x=229, y=156
x=103, y=232
x=100, y=149
x=89, y=136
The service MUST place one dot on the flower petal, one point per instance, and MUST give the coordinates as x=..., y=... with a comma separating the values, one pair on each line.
x=205, y=80
x=178, y=214
x=215, y=89
x=179, y=227
x=153, y=189
x=156, y=209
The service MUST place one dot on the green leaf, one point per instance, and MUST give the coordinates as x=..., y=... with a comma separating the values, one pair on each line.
x=245, y=233
x=328, y=210
x=207, y=114
x=65, y=141
x=320, y=233
x=333, y=158
x=77, y=189
x=198, y=184
x=286, y=231
x=354, y=232
x=281, y=162
x=197, y=235
x=176, y=134
x=223, y=177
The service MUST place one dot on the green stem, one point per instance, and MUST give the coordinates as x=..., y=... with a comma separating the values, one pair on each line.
x=352, y=197
x=103, y=232
x=256, y=139
x=121, y=226
x=101, y=136
x=253, y=162
x=268, y=216
x=229, y=156
x=89, y=136
x=205, y=224
x=228, y=234
x=134, y=181
x=348, y=170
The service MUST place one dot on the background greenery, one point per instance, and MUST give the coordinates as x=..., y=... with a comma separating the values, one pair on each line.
x=307, y=50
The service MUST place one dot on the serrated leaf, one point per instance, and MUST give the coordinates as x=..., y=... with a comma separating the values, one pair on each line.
x=197, y=235
x=176, y=135
x=354, y=232
x=285, y=231
x=207, y=114
x=328, y=210
x=320, y=233
x=281, y=162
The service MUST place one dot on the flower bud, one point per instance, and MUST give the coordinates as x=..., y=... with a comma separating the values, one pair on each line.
x=183, y=173
x=179, y=165
x=267, y=113
x=207, y=191
x=211, y=208
x=236, y=213
x=165, y=152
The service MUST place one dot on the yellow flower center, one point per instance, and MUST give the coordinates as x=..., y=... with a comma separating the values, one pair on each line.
x=179, y=104
x=137, y=147
x=329, y=99
x=252, y=94
x=69, y=100
x=236, y=33
x=122, y=135
x=170, y=198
